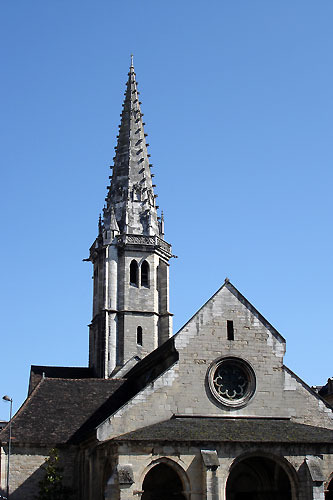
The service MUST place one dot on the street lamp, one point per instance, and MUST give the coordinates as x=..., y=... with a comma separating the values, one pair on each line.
x=7, y=398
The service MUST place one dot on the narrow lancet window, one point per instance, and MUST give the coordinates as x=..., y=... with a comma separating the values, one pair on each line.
x=230, y=330
x=139, y=335
x=134, y=272
x=145, y=274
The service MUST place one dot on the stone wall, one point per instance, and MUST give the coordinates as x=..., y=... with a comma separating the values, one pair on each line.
x=26, y=470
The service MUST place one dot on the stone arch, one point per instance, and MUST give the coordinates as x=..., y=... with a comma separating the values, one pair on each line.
x=329, y=488
x=170, y=471
x=255, y=475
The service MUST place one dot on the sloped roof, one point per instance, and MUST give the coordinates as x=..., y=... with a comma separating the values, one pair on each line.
x=254, y=430
x=142, y=374
x=37, y=372
x=57, y=408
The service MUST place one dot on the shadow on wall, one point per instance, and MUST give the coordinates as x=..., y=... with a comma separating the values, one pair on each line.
x=29, y=488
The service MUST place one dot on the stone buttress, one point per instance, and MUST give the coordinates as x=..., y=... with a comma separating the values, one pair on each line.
x=130, y=257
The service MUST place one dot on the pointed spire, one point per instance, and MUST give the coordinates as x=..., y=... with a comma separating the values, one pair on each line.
x=131, y=195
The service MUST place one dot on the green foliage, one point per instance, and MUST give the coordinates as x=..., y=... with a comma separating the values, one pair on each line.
x=51, y=487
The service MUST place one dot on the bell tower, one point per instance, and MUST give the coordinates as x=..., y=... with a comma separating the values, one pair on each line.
x=130, y=256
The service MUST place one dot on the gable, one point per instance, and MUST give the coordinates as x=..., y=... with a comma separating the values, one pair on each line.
x=186, y=388
x=249, y=327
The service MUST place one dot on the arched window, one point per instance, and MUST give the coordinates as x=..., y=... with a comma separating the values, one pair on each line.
x=145, y=274
x=139, y=335
x=134, y=272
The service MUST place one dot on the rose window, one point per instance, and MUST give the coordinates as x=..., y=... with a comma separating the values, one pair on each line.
x=231, y=381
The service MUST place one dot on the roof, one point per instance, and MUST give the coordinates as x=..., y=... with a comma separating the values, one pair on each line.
x=141, y=375
x=254, y=430
x=61, y=410
x=57, y=408
x=37, y=372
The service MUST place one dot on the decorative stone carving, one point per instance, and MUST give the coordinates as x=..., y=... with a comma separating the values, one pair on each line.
x=140, y=240
x=125, y=475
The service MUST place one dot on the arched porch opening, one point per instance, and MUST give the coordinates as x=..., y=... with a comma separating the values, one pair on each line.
x=258, y=478
x=162, y=482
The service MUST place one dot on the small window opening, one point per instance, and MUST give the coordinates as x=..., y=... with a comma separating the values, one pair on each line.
x=134, y=271
x=139, y=335
x=157, y=274
x=145, y=274
x=230, y=330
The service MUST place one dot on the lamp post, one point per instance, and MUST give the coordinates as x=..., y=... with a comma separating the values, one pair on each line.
x=7, y=398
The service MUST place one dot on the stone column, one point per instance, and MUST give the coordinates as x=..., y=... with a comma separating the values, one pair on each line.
x=211, y=463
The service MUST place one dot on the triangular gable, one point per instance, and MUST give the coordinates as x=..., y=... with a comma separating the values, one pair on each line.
x=185, y=388
x=227, y=284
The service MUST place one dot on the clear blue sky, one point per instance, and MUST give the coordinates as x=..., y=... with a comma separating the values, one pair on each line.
x=238, y=102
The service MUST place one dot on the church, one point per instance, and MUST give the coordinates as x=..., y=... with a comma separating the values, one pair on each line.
x=209, y=413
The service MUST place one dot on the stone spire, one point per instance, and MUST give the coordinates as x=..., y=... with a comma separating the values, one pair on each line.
x=130, y=201
x=130, y=257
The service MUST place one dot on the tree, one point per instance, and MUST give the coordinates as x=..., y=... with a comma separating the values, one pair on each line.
x=51, y=487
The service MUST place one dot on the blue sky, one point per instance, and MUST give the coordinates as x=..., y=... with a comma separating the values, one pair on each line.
x=238, y=103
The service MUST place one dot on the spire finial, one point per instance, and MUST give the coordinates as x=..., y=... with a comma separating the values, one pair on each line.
x=132, y=65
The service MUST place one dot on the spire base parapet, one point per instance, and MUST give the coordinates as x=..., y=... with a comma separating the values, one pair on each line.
x=151, y=241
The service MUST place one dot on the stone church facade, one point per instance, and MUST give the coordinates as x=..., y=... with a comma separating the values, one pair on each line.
x=209, y=413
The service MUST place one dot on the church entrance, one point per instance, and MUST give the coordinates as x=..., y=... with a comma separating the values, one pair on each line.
x=162, y=483
x=258, y=478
